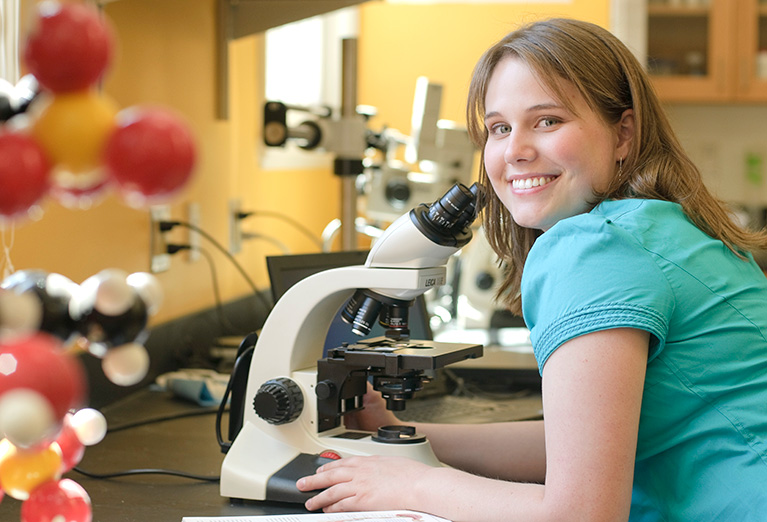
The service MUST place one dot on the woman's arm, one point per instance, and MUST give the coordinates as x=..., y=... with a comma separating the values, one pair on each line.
x=592, y=393
x=507, y=450
x=467, y=446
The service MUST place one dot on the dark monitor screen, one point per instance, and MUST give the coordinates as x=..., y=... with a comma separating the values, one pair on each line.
x=287, y=270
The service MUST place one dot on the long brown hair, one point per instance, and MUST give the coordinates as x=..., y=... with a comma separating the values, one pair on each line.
x=611, y=80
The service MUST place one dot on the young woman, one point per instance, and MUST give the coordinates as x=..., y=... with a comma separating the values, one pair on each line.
x=647, y=313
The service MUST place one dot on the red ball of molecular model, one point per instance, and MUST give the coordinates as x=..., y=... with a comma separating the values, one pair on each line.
x=46, y=320
x=65, y=138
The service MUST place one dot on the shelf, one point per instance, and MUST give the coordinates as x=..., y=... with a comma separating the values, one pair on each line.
x=245, y=17
x=677, y=11
x=240, y=18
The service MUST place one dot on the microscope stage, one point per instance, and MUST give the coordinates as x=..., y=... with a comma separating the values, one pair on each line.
x=405, y=355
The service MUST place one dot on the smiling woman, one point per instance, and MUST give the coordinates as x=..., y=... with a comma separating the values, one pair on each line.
x=645, y=311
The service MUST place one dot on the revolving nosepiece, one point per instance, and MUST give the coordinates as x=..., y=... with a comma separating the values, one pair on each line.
x=364, y=308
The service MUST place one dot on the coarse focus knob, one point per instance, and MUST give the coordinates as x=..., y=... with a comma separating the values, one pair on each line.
x=279, y=401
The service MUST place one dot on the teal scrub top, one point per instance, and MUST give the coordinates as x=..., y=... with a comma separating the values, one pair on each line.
x=702, y=447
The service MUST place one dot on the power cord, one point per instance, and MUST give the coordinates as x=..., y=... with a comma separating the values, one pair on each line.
x=166, y=226
x=295, y=224
x=148, y=471
x=163, y=418
x=248, y=344
x=226, y=325
x=236, y=387
x=273, y=240
x=154, y=471
x=172, y=248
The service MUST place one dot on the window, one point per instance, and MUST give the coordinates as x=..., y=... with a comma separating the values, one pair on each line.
x=303, y=68
x=9, y=45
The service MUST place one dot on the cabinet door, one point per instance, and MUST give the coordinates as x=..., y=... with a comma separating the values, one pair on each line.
x=751, y=37
x=689, y=50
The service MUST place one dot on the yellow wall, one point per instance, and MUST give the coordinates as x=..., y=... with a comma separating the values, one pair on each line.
x=400, y=42
x=167, y=56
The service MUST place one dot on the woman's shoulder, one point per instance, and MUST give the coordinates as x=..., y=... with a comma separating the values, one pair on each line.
x=639, y=221
x=627, y=213
x=630, y=233
x=629, y=210
x=592, y=271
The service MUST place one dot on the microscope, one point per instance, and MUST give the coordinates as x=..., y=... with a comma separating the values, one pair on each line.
x=295, y=399
x=392, y=171
x=438, y=153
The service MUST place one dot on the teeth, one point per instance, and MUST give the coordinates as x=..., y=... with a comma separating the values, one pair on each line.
x=530, y=182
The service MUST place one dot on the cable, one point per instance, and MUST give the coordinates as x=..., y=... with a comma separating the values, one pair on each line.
x=164, y=418
x=172, y=248
x=236, y=389
x=219, y=410
x=273, y=240
x=266, y=213
x=166, y=226
x=226, y=325
x=155, y=471
x=148, y=471
x=224, y=445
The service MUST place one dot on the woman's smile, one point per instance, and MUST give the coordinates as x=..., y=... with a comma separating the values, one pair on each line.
x=525, y=184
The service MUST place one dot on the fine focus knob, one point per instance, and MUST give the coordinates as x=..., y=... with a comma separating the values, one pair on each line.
x=279, y=401
x=485, y=281
x=325, y=390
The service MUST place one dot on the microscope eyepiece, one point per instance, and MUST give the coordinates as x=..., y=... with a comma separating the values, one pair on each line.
x=446, y=212
x=447, y=220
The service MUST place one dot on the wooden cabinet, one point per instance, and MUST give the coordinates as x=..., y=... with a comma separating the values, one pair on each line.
x=708, y=50
x=752, y=42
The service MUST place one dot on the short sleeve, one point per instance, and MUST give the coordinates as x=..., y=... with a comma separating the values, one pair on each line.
x=587, y=274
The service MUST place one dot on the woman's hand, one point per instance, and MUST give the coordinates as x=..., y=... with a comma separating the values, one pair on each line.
x=373, y=415
x=365, y=484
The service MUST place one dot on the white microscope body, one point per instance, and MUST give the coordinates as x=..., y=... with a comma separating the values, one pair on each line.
x=294, y=404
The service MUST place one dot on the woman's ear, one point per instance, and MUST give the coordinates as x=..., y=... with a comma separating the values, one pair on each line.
x=625, y=128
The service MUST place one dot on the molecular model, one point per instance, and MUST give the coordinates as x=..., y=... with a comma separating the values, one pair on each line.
x=65, y=138
x=46, y=320
x=60, y=136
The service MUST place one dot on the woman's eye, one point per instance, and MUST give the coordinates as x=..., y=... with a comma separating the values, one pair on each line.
x=500, y=128
x=548, y=122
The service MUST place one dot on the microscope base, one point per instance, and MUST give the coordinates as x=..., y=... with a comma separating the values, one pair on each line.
x=281, y=487
x=261, y=467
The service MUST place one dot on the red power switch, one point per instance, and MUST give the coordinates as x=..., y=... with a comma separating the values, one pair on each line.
x=328, y=454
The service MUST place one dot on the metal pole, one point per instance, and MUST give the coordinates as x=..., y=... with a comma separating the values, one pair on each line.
x=348, y=176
